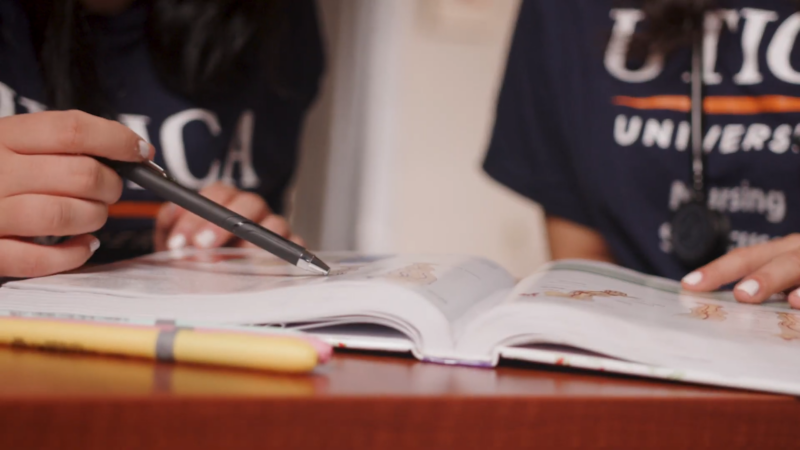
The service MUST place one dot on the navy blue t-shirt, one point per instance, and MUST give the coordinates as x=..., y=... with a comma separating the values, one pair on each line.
x=603, y=141
x=249, y=138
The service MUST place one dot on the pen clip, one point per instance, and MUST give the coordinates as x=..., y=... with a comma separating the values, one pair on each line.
x=156, y=168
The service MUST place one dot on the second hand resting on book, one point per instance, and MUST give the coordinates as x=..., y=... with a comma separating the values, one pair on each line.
x=223, y=220
x=762, y=270
x=176, y=229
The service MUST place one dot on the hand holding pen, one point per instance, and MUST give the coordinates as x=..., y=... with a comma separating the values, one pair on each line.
x=52, y=184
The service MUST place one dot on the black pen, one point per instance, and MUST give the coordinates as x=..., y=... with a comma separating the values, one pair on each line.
x=153, y=178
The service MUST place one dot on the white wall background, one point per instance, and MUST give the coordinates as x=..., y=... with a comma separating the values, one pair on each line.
x=395, y=145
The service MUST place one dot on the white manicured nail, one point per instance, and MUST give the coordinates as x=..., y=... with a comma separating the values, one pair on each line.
x=205, y=239
x=144, y=149
x=176, y=242
x=693, y=278
x=94, y=245
x=750, y=287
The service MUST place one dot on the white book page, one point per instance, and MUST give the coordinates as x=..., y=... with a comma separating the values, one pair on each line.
x=421, y=295
x=183, y=273
x=616, y=312
x=453, y=284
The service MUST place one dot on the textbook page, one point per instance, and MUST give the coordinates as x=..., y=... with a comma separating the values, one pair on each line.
x=419, y=295
x=612, y=311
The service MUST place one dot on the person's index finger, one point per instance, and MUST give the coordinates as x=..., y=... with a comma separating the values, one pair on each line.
x=736, y=264
x=723, y=270
x=72, y=132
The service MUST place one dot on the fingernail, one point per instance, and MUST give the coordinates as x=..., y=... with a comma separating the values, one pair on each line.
x=176, y=242
x=750, y=287
x=693, y=278
x=94, y=244
x=144, y=149
x=205, y=239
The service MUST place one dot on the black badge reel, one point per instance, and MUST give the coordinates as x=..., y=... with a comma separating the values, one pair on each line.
x=699, y=235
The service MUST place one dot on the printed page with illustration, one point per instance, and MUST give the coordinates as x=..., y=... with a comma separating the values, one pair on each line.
x=622, y=317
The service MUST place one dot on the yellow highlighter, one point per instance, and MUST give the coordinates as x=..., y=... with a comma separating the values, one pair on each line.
x=278, y=353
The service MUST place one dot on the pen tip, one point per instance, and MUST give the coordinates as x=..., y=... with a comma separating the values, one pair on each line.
x=313, y=264
x=320, y=266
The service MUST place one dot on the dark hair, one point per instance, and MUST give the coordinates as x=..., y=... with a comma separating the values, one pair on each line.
x=670, y=24
x=199, y=48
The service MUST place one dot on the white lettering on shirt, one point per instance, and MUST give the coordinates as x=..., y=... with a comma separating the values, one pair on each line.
x=736, y=199
x=31, y=105
x=626, y=132
x=682, y=137
x=678, y=195
x=616, y=56
x=174, y=151
x=781, y=139
x=731, y=137
x=7, y=107
x=713, y=28
x=757, y=135
x=712, y=136
x=656, y=132
x=755, y=25
x=780, y=50
x=241, y=152
x=755, y=22
x=738, y=238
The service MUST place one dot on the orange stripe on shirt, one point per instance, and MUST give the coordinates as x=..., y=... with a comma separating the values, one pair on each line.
x=134, y=210
x=714, y=104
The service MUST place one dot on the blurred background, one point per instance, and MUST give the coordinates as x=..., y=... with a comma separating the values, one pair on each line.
x=392, y=151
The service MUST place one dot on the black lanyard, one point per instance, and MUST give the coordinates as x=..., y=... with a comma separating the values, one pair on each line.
x=699, y=235
x=696, y=119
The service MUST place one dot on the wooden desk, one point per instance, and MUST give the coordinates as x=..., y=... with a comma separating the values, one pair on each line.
x=59, y=401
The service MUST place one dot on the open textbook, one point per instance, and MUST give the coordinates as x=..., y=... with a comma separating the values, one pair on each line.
x=450, y=309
